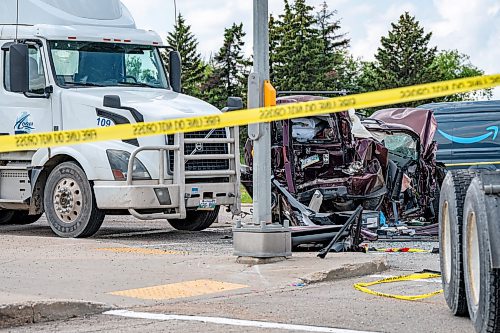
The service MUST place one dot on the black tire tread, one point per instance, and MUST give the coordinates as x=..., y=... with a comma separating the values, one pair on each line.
x=196, y=221
x=461, y=181
x=493, y=324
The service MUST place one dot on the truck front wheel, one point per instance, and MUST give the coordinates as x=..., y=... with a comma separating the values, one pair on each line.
x=482, y=282
x=70, y=203
x=196, y=220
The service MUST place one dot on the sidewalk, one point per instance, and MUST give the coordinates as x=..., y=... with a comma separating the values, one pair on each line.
x=48, y=269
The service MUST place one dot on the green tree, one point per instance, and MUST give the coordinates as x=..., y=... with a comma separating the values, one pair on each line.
x=404, y=58
x=230, y=69
x=193, y=66
x=297, y=64
x=455, y=65
x=336, y=64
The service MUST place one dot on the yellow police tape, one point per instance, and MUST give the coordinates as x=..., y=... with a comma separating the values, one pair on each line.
x=244, y=117
x=364, y=286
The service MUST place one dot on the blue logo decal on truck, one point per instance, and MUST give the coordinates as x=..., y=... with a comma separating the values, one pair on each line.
x=493, y=131
x=24, y=124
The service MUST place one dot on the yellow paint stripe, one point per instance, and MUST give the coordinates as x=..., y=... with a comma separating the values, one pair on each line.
x=138, y=250
x=180, y=290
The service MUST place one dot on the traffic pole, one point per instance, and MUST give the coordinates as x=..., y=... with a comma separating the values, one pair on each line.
x=262, y=239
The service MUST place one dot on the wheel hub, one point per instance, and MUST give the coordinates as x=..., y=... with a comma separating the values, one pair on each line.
x=67, y=200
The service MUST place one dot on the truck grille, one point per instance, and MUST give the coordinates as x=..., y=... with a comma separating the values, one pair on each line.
x=208, y=149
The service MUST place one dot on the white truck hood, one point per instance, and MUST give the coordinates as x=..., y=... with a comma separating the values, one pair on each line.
x=153, y=104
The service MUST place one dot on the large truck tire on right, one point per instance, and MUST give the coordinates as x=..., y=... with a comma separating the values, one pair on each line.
x=469, y=220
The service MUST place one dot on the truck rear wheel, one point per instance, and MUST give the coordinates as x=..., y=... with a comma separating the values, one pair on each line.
x=23, y=218
x=196, y=220
x=70, y=204
x=482, y=283
x=15, y=217
x=451, y=201
x=6, y=216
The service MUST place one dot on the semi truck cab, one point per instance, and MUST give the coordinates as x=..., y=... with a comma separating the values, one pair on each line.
x=68, y=65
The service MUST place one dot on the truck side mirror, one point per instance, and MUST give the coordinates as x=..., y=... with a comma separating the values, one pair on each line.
x=19, y=68
x=233, y=104
x=175, y=66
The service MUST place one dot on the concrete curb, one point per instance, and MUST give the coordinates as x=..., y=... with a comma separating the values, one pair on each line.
x=347, y=271
x=38, y=312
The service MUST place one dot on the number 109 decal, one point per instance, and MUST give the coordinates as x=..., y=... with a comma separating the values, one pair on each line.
x=104, y=122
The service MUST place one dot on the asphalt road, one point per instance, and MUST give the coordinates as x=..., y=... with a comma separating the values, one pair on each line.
x=325, y=307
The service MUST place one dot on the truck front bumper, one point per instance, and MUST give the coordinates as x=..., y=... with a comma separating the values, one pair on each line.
x=146, y=195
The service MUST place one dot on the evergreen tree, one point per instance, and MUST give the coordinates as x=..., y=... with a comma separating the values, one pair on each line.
x=336, y=64
x=274, y=43
x=193, y=67
x=230, y=69
x=403, y=59
x=297, y=61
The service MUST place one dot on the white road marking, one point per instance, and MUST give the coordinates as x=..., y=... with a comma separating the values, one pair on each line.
x=376, y=276
x=228, y=321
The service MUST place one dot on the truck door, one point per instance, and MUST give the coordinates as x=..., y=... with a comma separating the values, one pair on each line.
x=30, y=112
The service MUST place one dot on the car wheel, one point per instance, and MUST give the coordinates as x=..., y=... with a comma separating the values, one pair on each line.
x=452, y=197
x=196, y=220
x=482, y=282
x=70, y=204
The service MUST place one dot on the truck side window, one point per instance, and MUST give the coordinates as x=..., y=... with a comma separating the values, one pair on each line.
x=36, y=71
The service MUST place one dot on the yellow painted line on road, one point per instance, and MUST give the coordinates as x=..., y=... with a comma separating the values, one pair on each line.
x=180, y=290
x=138, y=250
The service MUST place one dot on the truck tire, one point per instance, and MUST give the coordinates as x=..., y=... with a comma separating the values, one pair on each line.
x=6, y=216
x=451, y=202
x=196, y=220
x=70, y=204
x=482, y=283
x=23, y=218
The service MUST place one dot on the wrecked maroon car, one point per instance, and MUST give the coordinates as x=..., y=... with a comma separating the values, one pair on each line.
x=320, y=168
x=413, y=174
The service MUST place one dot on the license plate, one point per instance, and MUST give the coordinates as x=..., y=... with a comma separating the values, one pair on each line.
x=207, y=204
x=309, y=161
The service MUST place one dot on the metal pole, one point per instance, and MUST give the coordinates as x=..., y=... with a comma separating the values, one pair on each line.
x=262, y=143
x=262, y=240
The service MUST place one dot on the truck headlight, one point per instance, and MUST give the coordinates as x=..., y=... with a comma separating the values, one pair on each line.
x=118, y=160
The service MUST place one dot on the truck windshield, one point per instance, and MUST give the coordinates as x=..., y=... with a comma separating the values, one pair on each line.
x=80, y=64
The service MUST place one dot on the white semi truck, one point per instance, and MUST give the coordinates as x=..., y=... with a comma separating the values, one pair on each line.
x=76, y=64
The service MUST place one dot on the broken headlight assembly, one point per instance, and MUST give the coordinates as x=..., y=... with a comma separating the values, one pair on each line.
x=119, y=159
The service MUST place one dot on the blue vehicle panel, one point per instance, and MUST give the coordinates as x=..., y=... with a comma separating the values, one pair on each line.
x=468, y=133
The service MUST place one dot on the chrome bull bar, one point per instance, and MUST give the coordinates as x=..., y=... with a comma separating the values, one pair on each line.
x=180, y=173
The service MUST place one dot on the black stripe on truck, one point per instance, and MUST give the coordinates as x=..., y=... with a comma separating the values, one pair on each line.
x=118, y=120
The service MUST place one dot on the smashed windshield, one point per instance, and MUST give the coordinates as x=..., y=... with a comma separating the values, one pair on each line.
x=402, y=145
x=107, y=64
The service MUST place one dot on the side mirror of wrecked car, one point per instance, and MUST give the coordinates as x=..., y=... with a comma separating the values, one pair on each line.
x=233, y=104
